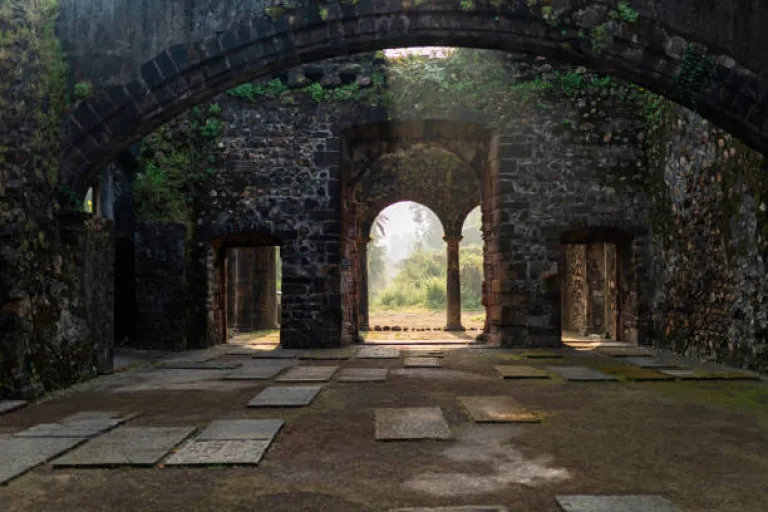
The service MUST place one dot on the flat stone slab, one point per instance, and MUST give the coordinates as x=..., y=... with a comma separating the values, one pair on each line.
x=521, y=372
x=228, y=452
x=475, y=508
x=422, y=362
x=377, y=353
x=362, y=375
x=649, y=362
x=255, y=372
x=96, y=415
x=425, y=353
x=678, y=373
x=278, y=353
x=20, y=454
x=285, y=396
x=308, y=374
x=327, y=354
x=624, y=352
x=411, y=423
x=496, y=409
x=580, y=373
x=630, y=503
x=11, y=405
x=241, y=429
x=541, y=354
x=192, y=365
x=81, y=429
x=127, y=446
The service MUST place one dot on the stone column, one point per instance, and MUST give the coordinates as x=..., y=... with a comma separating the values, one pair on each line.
x=362, y=254
x=453, y=284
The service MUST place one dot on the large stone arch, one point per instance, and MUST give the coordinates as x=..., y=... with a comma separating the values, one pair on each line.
x=652, y=50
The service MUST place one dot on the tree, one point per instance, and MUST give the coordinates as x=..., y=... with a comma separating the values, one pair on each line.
x=429, y=234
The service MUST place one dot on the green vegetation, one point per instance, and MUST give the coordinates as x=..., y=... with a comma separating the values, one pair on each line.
x=174, y=160
x=83, y=90
x=420, y=280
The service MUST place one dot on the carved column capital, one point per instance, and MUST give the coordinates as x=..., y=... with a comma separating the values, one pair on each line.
x=453, y=239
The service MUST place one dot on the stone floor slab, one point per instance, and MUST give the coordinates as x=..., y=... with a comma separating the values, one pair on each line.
x=94, y=415
x=83, y=428
x=475, y=508
x=541, y=354
x=127, y=446
x=496, y=409
x=411, y=423
x=327, y=354
x=241, y=429
x=213, y=453
x=377, y=353
x=192, y=365
x=630, y=503
x=285, y=396
x=362, y=375
x=278, y=353
x=255, y=372
x=624, y=352
x=580, y=373
x=11, y=405
x=650, y=362
x=677, y=373
x=425, y=353
x=422, y=362
x=308, y=374
x=521, y=372
x=20, y=454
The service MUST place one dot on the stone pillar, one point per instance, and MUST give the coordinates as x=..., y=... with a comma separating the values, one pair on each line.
x=453, y=284
x=362, y=254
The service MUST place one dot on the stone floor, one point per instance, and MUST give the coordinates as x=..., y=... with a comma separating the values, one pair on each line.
x=456, y=435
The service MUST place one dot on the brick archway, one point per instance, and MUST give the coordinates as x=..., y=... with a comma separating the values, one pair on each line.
x=650, y=50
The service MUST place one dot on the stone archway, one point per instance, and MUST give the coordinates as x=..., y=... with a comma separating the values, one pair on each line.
x=652, y=46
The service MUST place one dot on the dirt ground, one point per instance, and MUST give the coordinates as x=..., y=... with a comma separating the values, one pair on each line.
x=415, y=317
x=703, y=444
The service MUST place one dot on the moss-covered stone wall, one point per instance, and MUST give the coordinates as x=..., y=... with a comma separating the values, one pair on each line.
x=55, y=272
x=710, y=243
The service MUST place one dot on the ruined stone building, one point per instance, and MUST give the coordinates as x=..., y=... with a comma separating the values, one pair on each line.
x=607, y=208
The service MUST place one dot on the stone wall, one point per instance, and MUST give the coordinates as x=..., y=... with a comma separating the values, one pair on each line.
x=710, y=288
x=55, y=270
x=161, y=286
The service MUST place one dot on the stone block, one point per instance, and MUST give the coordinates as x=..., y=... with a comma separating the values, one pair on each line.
x=285, y=396
x=11, y=405
x=80, y=429
x=521, y=372
x=411, y=423
x=328, y=354
x=377, y=353
x=629, y=503
x=650, y=362
x=308, y=374
x=422, y=362
x=20, y=454
x=624, y=352
x=210, y=453
x=227, y=430
x=496, y=409
x=256, y=372
x=362, y=375
x=127, y=446
x=580, y=373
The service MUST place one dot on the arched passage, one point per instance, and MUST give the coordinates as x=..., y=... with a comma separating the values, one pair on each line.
x=651, y=46
x=406, y=268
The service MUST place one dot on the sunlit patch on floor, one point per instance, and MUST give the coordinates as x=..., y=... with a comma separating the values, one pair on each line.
x=489, y=445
